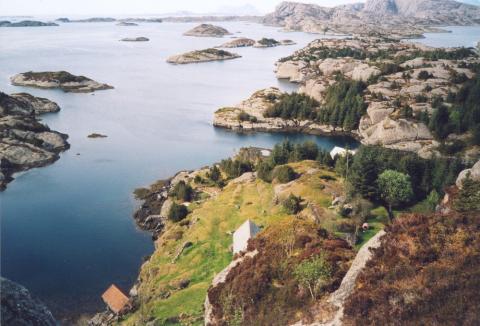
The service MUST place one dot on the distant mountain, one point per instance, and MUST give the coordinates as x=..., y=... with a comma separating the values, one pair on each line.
x=375, y=16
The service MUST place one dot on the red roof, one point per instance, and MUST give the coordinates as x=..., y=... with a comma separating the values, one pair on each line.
x=115, y=299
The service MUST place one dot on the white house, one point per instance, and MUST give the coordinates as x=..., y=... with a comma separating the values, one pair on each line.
x=340, y=151
x=245, y=232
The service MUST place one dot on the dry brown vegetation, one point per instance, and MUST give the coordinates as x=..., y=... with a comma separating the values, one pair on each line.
x=427, y=272
x=263, y=290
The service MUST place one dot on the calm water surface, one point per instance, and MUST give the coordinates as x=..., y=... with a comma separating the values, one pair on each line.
x=467, y=36
x=67, y=230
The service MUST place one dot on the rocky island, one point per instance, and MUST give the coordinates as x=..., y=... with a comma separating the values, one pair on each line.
x=262, y=43
x=270, y=42
x=238, y=43
x=25, y=23
x=26, y=143
x=135, y=39
x=396, y=92
x=207, y=30
x=202, y=56
x=123, y=23
x=58, y=79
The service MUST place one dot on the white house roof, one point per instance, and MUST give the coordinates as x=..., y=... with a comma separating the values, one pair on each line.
x=245, y=232
x=340, y=151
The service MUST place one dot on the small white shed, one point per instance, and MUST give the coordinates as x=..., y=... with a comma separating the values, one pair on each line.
x=340, y=151
x=245, y=232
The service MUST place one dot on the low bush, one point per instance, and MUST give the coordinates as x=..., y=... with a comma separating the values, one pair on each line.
x=182, y=191
x=292, y=204
x=177, y=212
x=284, y=174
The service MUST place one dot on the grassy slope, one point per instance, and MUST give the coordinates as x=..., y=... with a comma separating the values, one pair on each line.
x=209, y=231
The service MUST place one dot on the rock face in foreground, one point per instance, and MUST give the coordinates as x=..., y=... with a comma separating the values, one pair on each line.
x=135, y=39
x=19, y=308
x=202, y=56
x=25, y=23
x=58, y=79
x=207, y=30
x=26, y=143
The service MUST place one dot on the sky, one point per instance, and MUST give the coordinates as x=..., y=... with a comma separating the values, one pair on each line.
x=127, y=7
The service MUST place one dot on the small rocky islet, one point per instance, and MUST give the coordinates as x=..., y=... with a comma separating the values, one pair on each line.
x=25, y=142
x=207, y=30
x=58, y=79
x=262, y=43
x=135, y=39
x=126, y=24
x=205, y=55
x=26, y=23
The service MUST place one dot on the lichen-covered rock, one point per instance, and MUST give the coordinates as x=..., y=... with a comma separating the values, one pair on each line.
x=19, y=308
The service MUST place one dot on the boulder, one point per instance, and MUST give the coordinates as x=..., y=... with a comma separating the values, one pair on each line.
x=473, y=173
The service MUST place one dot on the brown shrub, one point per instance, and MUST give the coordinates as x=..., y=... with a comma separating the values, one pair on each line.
x=426, y=272
x=262, y=290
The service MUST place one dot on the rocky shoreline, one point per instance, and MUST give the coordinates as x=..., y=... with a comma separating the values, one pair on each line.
x=26, y=143
x=58, y=79
x=254, y=120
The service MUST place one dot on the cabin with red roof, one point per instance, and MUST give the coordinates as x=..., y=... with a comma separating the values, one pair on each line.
x=115, y=299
